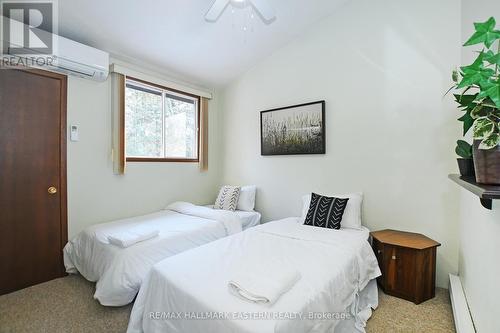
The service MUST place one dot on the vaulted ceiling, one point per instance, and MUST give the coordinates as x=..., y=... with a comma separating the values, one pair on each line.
x=173, y=36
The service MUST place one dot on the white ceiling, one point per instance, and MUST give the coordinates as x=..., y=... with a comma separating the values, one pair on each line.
x=173, y=36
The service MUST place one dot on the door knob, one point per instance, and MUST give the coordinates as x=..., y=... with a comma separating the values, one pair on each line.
x=52, y=190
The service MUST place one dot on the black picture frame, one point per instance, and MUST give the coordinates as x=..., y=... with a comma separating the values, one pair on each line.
x=312, y=142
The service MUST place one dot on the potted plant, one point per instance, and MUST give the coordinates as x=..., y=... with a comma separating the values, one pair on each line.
x=480, y=101
x=465, y=162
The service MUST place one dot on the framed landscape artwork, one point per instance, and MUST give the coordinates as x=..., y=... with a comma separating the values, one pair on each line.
x=293, y=130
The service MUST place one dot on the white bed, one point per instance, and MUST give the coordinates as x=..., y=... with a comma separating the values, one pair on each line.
x=119, y=271
x=249, y=219
x=337, y=269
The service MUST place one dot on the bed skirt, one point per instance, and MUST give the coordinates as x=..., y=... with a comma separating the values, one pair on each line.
x=360, y=310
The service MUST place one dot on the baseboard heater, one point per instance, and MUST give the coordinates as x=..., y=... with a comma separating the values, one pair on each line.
x=461, y=313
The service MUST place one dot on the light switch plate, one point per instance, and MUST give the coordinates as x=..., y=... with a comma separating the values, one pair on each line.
x=73, y=133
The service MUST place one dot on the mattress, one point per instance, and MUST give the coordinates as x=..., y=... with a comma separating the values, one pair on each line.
x=335, y=266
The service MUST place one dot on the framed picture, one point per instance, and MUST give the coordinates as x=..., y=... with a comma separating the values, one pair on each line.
x=293, y=130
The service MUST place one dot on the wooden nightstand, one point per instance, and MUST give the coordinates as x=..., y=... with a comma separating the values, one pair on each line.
x=408, y=264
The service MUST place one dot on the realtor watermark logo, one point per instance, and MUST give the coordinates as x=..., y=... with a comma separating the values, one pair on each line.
x=28, y=29
x=260, y=315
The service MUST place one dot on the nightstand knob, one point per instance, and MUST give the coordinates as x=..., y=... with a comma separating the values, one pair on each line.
x=393, y=257
x=379, y=251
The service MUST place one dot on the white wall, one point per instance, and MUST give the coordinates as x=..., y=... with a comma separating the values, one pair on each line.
x=479, y=267
x=382, y=67
x=479, y=246
x=96, y=195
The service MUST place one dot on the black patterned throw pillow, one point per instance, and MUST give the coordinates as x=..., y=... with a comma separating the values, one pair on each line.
x=325, y=212
x=227, y=198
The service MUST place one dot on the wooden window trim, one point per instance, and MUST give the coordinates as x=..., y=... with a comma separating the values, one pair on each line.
x=166, y=159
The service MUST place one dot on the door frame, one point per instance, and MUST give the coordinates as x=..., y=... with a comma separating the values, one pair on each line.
x=62, y=190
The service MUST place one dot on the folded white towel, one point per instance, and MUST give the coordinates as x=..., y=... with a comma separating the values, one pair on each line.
x=131, y=236
x=264, y=287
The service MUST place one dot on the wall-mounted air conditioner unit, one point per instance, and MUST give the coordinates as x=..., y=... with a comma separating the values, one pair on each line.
x=67, y=57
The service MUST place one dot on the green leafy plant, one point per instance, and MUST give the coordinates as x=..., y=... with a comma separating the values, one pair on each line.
x=464, y=149
x=480, y=81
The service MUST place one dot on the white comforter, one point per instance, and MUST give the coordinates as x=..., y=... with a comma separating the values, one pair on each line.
x=334, y=264
x=119, y=271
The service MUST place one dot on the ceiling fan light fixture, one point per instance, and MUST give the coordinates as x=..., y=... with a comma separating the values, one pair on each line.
x=265, y=11
x=239, y=3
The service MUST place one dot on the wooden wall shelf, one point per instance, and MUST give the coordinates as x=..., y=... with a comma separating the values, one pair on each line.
x=486, y=193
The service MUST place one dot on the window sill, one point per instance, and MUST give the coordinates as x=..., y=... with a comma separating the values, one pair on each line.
x=152, y=159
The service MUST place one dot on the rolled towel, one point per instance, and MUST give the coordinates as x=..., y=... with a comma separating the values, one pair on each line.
x=265, y=287
x=131, y=236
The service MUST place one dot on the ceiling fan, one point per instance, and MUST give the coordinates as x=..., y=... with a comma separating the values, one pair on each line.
x=266, y=12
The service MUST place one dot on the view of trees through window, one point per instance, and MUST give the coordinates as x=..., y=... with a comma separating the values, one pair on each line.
x=159, y=123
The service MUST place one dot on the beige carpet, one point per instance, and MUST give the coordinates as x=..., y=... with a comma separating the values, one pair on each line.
x=66, y=305
x=397, y=315
x=61, y=305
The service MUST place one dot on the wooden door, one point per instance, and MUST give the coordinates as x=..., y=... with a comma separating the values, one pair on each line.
x=400, y=268
x=33, y=223
x=406, y=275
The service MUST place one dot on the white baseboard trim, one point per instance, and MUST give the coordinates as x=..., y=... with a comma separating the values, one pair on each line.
x=461, y=313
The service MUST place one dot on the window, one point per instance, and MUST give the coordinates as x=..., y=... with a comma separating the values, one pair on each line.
x=160, y=124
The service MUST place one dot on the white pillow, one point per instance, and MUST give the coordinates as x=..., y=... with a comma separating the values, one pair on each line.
x=246, y=200
x=352, y=213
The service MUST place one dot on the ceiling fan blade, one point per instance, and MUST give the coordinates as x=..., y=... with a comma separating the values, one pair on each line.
x=264, y=9
x=216, y=10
